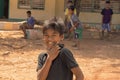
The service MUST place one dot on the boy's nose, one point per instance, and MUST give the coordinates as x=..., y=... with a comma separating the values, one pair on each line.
x=49, y=39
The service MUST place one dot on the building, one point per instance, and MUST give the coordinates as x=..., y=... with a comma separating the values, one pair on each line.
x=45, y=9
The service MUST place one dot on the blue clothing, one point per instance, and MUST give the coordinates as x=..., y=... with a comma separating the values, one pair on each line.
x=106, y=26
x=75, y=19
x=69, y=25
x=107, y=15
x=78, y=30
x=31, y=21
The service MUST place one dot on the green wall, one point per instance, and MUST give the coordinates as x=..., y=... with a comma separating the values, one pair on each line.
x=1, y=8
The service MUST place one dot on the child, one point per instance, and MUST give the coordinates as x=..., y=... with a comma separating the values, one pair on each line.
x=58, y=62
x=67, y=18
x=29, y=24
x=107, y=13
x=76, y=26
x=69, y=3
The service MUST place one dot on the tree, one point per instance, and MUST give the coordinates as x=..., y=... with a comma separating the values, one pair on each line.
x=77, y=6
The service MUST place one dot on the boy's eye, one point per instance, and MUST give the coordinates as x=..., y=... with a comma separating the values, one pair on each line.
x=46, y=35
x=53, y=35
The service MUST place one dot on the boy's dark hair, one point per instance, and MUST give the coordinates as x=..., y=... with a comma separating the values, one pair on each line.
x=69, y=1
x=107, y=2
x=28, y=12
x=71, y=8
x=54, y=26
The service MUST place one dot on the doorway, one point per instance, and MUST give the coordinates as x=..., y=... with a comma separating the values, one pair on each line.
x=4, y=9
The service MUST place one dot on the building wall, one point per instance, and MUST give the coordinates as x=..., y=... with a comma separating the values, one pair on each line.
x=59, y=8
x=56, y=8
x=16, y=13
x=90, y=17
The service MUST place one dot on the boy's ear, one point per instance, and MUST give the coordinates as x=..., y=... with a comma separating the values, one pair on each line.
x=62, y=37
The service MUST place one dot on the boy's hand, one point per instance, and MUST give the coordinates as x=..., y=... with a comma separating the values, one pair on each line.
x=53, y=52
x=72, y=29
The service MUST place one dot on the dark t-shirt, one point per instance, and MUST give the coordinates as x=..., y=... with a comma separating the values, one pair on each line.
x=107, y=15
x=61, y=66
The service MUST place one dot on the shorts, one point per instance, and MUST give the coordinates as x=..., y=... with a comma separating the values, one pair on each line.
x=78, y=33
x=26, y=26
x=106, y=26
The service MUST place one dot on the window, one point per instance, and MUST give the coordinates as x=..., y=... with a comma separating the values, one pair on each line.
x=31, y=4
x=86, y=5
x=116, y=5
x=97, y=5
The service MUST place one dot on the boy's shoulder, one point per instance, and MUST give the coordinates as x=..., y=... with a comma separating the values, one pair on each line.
x=74, y=16
x=64, y=49
x=32, y=17
x=42, y=56
x=106, y=9
x=65, y=52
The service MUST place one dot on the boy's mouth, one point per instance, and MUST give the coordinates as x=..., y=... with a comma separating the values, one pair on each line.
x=51, y=44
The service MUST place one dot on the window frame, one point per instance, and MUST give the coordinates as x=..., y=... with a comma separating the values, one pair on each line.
x=30, y=6
x=93, y=9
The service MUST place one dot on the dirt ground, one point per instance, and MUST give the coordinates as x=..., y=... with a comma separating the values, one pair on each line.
x=98, y=59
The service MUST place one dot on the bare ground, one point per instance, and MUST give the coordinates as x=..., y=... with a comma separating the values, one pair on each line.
x=98, y=59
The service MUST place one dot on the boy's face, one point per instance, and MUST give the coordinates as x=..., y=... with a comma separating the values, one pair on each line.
x=70, y=11
x=50, y=37
x=28, y=14
x=107, y=5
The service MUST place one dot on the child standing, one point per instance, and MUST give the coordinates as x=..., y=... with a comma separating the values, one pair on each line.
x=67, y=18
x=58, y=62
x=107, y=13
x=76, y=27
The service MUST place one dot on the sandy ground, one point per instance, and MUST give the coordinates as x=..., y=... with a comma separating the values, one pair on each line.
x=98, y=59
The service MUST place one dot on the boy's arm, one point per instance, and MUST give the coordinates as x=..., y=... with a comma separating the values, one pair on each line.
x=110, y=19
x=43, y=72
x=74, y=22
x=78, y=73
x=102, y=19
x=102, y=13
x=111, y=16
x=71, y=63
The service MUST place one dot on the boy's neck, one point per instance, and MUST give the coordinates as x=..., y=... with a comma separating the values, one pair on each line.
x=107, y=8
x=72, y=13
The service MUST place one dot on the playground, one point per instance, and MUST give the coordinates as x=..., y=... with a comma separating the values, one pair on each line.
x=98, y=59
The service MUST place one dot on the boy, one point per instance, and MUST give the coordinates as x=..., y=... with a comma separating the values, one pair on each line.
x=67, y=17
x=29, y=24
x=58, y=63
x=76, y=26
x=69, y=3
x=107, y=13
